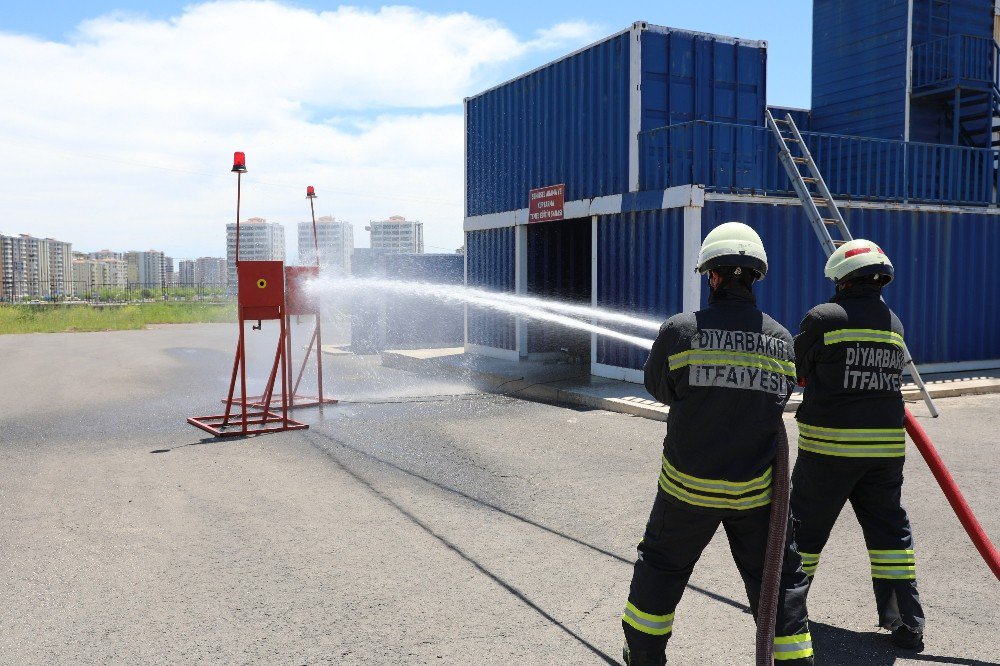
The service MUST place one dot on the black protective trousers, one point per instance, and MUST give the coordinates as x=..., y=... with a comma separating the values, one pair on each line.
x=821, y=485
x=672, y=544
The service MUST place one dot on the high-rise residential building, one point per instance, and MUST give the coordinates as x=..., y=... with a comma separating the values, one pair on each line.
x=169, y=276
x=397, y=235
x=35, y=268
x=335, y=240
x=60, y=268
x=145, y=269
x=13, y=278
x=186, y=273
x=260, y=240
x=211, y=271
x=92, y=275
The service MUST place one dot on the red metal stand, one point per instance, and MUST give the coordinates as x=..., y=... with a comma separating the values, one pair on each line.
x=260, y=296
x=300, y=302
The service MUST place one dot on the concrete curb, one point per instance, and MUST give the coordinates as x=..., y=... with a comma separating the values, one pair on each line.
x=563, y=386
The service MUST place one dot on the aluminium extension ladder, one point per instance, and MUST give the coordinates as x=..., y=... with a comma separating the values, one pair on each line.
x=812, y=200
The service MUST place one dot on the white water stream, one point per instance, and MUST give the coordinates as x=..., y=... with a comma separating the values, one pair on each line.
x=540, y=309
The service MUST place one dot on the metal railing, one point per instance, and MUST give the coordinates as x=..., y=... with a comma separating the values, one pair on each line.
x=744, y=159
x=949, y=61
x=15, y=292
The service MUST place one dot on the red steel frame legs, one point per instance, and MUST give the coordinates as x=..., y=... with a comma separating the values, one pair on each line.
x=253, y=418
x=294, y=398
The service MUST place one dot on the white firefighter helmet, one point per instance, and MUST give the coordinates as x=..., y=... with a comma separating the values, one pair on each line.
x=858, y=258
x=732, y=244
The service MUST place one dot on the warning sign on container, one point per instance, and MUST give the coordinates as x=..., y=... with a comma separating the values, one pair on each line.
x=545, y=204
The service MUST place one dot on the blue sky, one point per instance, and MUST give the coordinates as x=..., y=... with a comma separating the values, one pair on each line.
x=147, y=100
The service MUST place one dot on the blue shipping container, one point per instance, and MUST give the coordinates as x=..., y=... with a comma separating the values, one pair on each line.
x=571, y=121
x=948, y=318
x=490, y=260
x=639, y=256
x=859, y=67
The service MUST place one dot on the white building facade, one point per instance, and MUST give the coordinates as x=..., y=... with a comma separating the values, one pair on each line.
x=35, y=268
x=260, y=240
x=397, y=235
x=335, y=240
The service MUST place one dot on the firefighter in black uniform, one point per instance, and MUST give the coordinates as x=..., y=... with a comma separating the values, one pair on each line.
x=849, y=356
x=726, y=372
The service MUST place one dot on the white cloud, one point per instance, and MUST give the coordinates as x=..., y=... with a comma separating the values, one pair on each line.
x=330, y=99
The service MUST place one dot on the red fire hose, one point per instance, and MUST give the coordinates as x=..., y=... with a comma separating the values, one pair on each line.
x=954, y=495
x=767, y=609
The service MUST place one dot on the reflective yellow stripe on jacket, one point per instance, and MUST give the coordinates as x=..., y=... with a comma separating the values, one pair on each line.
x=862, y=335
x=716, y=493
x=728, y=357
x=853, y=442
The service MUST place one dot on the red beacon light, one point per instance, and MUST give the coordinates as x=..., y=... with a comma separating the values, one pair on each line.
x=239, y=162
x=310, y=192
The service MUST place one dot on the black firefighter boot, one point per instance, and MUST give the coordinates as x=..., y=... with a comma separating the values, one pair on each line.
x=643, y=658
x=908, y=639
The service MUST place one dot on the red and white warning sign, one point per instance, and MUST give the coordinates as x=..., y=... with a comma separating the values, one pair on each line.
x=545, y=204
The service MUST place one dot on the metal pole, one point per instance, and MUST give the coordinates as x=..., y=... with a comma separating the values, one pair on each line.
x=312, y=209
x=918, y=380
x=239, y=180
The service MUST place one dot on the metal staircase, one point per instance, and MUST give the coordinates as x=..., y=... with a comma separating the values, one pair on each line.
x=820, y=197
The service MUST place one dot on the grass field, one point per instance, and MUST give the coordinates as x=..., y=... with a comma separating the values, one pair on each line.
x=59, y=318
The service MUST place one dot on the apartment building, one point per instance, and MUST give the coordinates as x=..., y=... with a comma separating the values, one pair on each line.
x=210, y=271
x=397, y=235
x=186, y=273
x=260, y=240
x=146, y=268
x=35, y=268
x=335, y=241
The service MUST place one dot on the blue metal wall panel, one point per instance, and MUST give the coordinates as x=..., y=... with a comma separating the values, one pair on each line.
x=692, y=76
x=568, y=122
x=490, y=256
x=639, y=258
x=933, y=19
x=565, y=123
x=948, y=316
x=859, y=67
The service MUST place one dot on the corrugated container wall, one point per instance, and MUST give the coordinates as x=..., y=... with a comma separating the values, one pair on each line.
x=694, y=76
x=564, y=123
x=859, y=67
x=569, y=121
x=639, y=257
x=947, y=317
x=933, y=19
x=490, y=265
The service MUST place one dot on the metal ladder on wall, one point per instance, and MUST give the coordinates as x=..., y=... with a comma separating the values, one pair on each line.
x=812, y=200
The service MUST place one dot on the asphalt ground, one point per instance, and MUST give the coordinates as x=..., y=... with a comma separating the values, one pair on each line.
x=419, y=521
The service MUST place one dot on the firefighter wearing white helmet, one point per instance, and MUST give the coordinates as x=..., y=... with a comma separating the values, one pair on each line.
x=849, y=356
x=716, y=463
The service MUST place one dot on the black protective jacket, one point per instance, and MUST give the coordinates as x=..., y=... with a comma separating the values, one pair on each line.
x=726, y=372
x=849, y=355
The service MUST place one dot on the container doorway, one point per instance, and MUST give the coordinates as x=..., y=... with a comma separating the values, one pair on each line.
x=559, y=266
